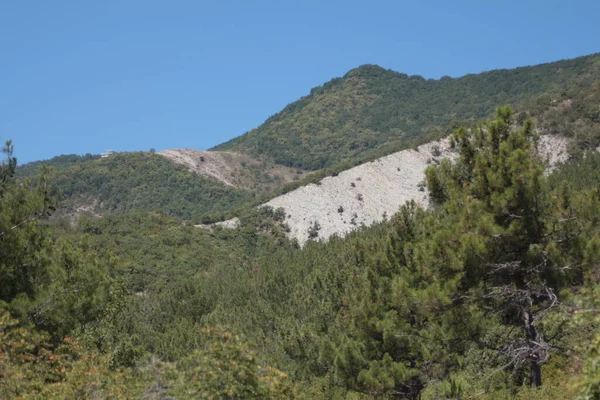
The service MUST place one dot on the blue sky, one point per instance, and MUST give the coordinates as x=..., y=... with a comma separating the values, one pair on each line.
x=79, y=77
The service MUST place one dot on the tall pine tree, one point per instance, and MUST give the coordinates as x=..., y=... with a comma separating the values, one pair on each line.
x=516, y=243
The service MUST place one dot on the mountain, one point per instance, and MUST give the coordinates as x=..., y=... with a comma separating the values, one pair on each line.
x=491, y=292
x=371, y=111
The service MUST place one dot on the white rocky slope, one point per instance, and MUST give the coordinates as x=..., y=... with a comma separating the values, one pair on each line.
x=360, y=195
x=364, y=194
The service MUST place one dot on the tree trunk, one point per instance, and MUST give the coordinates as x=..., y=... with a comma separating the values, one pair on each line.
x=535, y=374
x=535, y=369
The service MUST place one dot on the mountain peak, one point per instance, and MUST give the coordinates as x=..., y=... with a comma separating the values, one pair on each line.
x=366, y=69
x=372, y=111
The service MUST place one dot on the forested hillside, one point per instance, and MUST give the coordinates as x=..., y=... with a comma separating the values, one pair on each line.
x=491, y=294
x=139, y=181
x=368, y=113
x=108, y=290
x=32, y=169
x=372, y=111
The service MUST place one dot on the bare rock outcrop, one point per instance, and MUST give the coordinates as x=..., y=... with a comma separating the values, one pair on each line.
x=233, y=169
x=360, y=195
x=366, y=193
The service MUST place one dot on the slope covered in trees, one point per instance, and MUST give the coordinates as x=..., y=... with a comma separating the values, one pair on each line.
x=372, y=111
x=193, y=185
x=138, y=181
x=491, y=294
x=368, y=113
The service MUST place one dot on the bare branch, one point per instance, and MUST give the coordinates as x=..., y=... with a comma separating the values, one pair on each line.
x=30, y=219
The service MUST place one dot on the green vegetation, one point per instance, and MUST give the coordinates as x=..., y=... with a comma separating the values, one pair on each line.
x=371, y=111
x=368, y=113
x=575, y=113
x=66, y=303
x=139, y=181
x=56, y=163
x=108, y=290
x=491, y=293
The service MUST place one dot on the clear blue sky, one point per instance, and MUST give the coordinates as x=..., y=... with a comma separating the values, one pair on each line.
x=86, y=76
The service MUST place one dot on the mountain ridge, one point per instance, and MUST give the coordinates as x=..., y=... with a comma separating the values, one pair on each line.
x=363, y=115
x=372, y=109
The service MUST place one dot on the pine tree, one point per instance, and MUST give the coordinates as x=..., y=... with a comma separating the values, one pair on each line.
x=56, y=284
x=24, y=263
x=514, y=244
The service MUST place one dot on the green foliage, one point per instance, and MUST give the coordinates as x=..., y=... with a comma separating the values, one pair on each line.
x=464, y=300
x=32, y=367
x=64, y=161
x=225, y=368
x=580, y=174
x=24, y=262
x=141, y=181
x=573, y=113
x=372, y=111
x=588, y=316
x=56, y=284
x=517, y=246
x=53, y=288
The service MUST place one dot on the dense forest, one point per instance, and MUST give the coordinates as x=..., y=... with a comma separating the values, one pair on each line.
x=491, y=293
